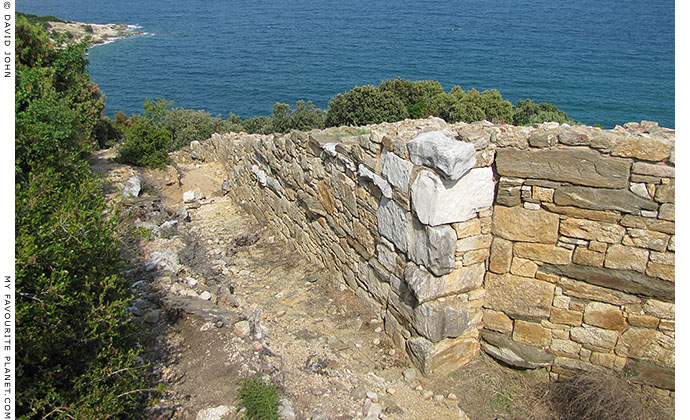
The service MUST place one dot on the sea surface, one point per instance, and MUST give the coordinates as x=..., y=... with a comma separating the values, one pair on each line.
x=603, y=62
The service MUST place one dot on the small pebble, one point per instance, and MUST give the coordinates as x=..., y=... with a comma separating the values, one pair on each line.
x=391, y=391
x=452, y=397
x=378, y=330
x=377, y=341
x=427, y=395
x=391, y=352
x=438, y=398
x=372, y=396
x=280, y=314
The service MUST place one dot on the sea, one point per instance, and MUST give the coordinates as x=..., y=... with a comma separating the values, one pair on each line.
x=603, y=62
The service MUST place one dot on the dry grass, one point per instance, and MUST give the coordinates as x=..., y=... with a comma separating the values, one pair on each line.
x=487, y=390
x=604, y=396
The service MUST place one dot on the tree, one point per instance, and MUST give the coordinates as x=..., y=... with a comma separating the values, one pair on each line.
x=365, y=105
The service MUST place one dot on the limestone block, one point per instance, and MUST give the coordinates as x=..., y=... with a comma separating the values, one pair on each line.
x=653, y=149
x=542, y=194
x=580, y=289
x=473, y=242
x=395, y=224
x=666, y=193
x=474, y=257
x=627, y=281
x=593, y=336
x=579, y=213
x=567, y=347
x=518, y=224
x=515, y=354
x=667, y=211
x=623, y=257
x=566, y=317
x=449, y=158
x=661, y=171
x=497, y=321
x=445, y=356
x=509, y=191
x=585, y=256
x=471, y=227
x=640, y=189
x=642, y=343
x=574, y=137
x=644, y=321
x=605, y=316
x=648, y=373
x=659, y=309
x=386, y=254
x=543, y=139
x=518, y=296
x=649, y=239
x=501, y=255
x=425, y=286
x=531, y=333
x=648, y=224
x=478, y=136
x=434, y=247
x=396, y=170
x=380, y=183
x=603, y=199
x=592, y=230
x=542, y=252
x=577, y=166
x=437, y=201
x=523, y=268
x=607, y=360
x=437, y=320
x=325, y=197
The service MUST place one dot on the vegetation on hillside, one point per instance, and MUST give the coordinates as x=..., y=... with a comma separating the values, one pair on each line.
x=75, y=342
x=145, y=135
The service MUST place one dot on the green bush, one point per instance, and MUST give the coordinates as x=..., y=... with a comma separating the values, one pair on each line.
x=365, y=105
x=416, y=95
x=186, y=125
x=529, y=113
x=259, y=399
x=146, y=144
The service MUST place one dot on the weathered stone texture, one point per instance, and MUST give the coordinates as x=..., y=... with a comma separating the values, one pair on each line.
x=542, y=252
x=591, y=230
x=531, y=333
x=643, y=148
x=437, y=201
x=577, y=166
x=627, y=281
x=626, y=258
x=535, y=301
x=518, y=224
x=603, y=199
x=501, y=255
x=449, y=158
x=604, y=316
x=646, y=344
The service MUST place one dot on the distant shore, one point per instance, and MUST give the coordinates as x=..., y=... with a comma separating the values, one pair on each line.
x=99, y=33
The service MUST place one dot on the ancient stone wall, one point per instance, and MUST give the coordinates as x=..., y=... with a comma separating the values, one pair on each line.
x=553, y=246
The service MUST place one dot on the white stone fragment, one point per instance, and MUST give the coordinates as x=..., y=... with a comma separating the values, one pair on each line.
x=381, y=183
x=451, y=159
x=260, y=175
x=640, y=189
x=396, y=170
x=395, y=224
x=132, y=187
x=192, y=195
x=438, y=202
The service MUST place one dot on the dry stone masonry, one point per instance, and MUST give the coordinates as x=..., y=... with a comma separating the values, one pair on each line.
x=549, y=246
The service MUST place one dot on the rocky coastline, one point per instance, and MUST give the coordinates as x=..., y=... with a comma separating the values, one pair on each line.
x=99, y=33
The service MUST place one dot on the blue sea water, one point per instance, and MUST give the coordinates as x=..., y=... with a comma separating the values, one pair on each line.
x=603, y=62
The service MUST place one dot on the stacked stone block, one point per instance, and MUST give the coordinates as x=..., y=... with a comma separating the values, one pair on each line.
x=401, y=216
x=583, y=249
x=556, y=244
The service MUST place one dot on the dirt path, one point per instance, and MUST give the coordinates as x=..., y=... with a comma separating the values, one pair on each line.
x=240, y=301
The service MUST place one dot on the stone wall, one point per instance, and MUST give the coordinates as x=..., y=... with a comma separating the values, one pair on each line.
x=552, y=246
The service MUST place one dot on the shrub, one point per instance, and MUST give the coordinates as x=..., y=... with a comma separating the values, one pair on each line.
x=146, y=144
x=75, y=343
x=416, y=95
x=529, y=113
x=186, y=125
x=365, y=105
x=260, y=400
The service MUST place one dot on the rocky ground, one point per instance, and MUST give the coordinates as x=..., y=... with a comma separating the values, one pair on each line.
x=224, y=299
x=99, y=33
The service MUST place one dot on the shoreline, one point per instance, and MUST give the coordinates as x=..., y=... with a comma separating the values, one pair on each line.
x=99, y=33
